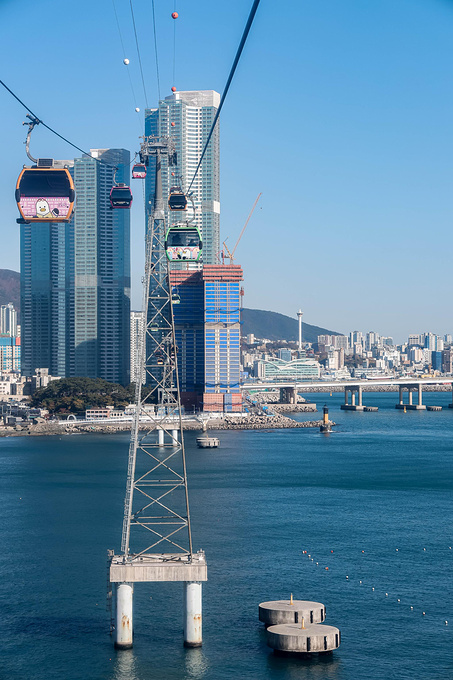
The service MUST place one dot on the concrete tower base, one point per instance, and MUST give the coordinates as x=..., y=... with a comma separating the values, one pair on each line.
x=314, y=637
x=123, y=616
x=282, y=611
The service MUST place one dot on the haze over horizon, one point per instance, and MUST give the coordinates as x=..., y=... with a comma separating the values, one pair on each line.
x=339, y=114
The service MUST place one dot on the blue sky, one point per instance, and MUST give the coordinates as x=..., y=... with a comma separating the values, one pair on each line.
x=340, y=113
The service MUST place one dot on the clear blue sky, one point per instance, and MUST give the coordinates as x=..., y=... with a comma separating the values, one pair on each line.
x=340, y=113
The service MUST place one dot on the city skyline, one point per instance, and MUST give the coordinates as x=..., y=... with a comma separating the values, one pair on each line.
x=362, y=140
x=75, y=280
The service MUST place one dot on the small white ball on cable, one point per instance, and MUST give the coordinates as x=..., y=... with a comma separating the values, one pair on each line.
x=137, y=109
x=126, y=61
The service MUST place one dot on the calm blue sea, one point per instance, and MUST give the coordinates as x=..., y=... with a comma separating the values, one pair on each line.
x=373, y=501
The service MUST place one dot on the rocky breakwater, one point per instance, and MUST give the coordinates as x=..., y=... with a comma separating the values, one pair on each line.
x=262, y=422
x=294, y=408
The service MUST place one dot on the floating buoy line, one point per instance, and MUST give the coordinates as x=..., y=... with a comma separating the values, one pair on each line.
x=364, y=584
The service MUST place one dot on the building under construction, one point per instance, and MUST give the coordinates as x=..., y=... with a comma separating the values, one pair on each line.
x=207, y=325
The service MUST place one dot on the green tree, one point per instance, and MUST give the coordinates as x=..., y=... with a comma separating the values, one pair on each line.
x=75, y=395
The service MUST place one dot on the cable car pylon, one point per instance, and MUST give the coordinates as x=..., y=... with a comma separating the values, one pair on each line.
x=156, y=543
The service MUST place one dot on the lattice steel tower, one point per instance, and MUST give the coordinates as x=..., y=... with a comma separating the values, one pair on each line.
x=156, y=540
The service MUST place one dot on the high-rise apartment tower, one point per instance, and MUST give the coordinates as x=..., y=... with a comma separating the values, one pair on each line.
x=187, y=117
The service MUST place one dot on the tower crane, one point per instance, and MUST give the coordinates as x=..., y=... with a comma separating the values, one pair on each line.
x=230, y=255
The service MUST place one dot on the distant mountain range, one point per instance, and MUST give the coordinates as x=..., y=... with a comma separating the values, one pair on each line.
x=263, y=324
x=10, y=288
x=275, y=326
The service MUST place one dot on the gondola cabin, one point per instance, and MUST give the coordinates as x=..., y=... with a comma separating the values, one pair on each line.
x=177, y=199
x=139, y=171
x=120, y=196
x=183, y=243
x=45, y=194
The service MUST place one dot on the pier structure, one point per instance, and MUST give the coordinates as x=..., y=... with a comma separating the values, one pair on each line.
x=353, y=406
x=288, y=395
x=410, y=406
x=156, y=541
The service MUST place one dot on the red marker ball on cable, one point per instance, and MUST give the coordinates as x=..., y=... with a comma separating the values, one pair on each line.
x=174, y=15
x=173, y=89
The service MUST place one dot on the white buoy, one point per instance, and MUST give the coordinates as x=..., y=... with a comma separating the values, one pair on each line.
x=412, y=608
x=126, y=62
x=192, y=614
x=386, y=594
x=399, y=600
x=446, y=623
x=347, y=577
x=123, y=616
x=372, y=588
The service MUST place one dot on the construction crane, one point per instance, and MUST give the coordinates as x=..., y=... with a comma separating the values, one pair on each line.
x=226, y=252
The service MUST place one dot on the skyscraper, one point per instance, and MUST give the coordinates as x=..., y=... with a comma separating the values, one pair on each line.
x=137, y=321
x=101, y=261
x=8, y=320
x=187, y=117
x=207, y=324
x=75, y=280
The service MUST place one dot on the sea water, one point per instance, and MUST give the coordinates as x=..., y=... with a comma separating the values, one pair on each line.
x=372, y=502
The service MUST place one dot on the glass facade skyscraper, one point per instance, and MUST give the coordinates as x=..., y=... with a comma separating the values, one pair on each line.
x=207, y=325
x=187, y=117
x=75, y=280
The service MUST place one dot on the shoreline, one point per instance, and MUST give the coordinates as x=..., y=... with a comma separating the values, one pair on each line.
x=254, y=422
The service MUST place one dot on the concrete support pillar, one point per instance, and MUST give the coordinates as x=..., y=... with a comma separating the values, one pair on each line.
x=353, y=397
x=192, y=614
x=360, y=395
x=123, y=616
x=175, y=440
x=346, y=396
x=401, y=393
x=410, y=397
x=161, y=434
x=420, y=394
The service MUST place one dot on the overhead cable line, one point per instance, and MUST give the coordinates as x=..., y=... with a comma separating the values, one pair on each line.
x=174, y=47
x=125, y=60
x=41, y=122
x=155, y=50
x=228, y=83
x=138, y=52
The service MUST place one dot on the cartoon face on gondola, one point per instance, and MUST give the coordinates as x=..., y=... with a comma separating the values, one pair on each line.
x=42, y=209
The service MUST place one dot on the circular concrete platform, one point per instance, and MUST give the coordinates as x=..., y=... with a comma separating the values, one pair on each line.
x=315, y=637
x=282, y=611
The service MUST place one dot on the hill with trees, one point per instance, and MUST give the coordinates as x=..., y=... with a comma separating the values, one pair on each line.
x=275, y=326
x=75, y=395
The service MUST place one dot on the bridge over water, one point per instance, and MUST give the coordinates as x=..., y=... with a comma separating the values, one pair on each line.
x=353, y=389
